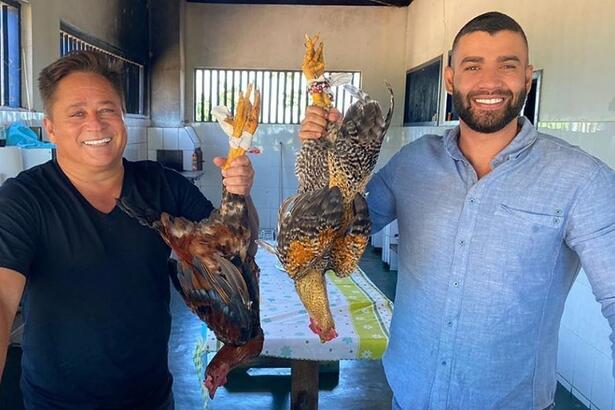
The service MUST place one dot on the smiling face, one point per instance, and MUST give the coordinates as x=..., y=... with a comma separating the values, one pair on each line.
x=86, y=122
x=489, y=79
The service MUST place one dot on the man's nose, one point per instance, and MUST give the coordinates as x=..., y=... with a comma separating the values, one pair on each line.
x=95, y=123
x=491, y=79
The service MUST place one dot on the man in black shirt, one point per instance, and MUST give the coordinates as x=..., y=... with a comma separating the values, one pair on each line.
x=95, y=282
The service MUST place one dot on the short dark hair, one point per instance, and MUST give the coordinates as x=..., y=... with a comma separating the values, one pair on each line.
x=491, y=22
x=86, y=61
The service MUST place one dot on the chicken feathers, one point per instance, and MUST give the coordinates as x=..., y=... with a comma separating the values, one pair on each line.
x=216, y=269
x=326, y=225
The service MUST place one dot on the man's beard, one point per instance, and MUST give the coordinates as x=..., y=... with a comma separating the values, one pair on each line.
x=488, y=122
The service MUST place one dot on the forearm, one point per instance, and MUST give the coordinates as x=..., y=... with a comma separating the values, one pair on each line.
x=11, y=288
x=5, y=333
x=380, y=203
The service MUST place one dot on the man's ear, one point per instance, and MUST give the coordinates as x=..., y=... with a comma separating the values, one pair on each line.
x=448, y=79
x=48, y=124
x=529, y=73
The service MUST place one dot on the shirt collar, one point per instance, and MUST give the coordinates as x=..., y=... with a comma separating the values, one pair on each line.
x=524, y=138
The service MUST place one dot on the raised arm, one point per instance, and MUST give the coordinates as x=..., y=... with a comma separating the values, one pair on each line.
x=11, y=287
x=591, y=234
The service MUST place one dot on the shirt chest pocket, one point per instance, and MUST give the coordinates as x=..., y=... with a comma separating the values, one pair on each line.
x=538, y=220
x=526, y=239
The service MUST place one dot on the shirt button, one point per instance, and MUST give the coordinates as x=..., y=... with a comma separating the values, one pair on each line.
x=472, y=200
x=555, y=221
x=455, y=284
x=462, y=242
x=558, y=212
x=450, y=323
x=443, y=363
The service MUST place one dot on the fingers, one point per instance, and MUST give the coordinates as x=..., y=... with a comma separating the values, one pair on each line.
x=310, y=131
x=219, y=161
x=314, y=124
x=238, y=178
x=335, y=115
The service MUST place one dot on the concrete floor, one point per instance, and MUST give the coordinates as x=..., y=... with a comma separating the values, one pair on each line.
x=361, y=386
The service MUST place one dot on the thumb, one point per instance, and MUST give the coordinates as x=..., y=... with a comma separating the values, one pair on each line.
x=335, y=115
x=219, y=161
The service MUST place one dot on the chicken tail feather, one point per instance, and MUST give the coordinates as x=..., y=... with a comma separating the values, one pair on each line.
x=267, y=246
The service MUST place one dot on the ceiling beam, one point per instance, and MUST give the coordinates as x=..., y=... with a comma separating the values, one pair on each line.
x=386, y=3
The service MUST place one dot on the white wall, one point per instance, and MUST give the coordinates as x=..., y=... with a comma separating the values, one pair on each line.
x=572, y=42
x=369, y=39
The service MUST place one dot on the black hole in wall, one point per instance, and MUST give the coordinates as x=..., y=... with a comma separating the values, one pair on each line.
x=171, y=158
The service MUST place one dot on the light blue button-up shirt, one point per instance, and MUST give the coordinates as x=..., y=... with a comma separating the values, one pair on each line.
x=486, y=265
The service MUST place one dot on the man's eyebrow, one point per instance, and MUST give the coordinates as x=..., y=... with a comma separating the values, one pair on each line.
x=508, y=58
x=75, y=105
x=107, y=102
x=472, y=59
x=81, y=104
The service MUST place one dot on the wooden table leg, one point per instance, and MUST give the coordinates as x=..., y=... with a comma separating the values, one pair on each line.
x=304, y=385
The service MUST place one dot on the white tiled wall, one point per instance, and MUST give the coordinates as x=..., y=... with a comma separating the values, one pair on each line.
x=136, y=147
x=274, y=166
x=29, y=117
x=181, y=138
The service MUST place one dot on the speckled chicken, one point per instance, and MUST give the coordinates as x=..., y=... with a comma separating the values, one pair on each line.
x=216, y=271
x=326, y=225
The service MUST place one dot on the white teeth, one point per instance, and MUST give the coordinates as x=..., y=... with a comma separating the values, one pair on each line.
x=97, y=142
x=489, y=100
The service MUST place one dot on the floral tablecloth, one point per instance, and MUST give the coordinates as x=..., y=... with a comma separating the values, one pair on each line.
x=361, y=312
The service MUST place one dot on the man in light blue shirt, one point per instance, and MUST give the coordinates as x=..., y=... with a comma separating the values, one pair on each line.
x=495, y=221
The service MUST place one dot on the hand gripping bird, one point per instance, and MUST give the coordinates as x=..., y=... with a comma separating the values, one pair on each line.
x=217, y=274
x=326, y=225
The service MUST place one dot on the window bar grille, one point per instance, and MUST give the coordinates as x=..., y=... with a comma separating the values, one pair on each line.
x=266, y=98
x=284, y=96
x=274, y=99
x=209, y=100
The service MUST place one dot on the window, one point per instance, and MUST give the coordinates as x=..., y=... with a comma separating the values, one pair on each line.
x=283, y=93
x=10, y=72
x=423, y=93
x=133, y=72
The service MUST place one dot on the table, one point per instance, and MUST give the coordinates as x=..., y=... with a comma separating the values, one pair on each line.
x=361, y=312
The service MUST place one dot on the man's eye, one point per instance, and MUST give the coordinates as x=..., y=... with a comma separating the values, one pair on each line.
x=107, y=110
x=472, y=68
x=78, y=114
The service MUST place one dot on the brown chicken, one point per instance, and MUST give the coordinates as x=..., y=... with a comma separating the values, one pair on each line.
x=216, y=271
x=326, y=225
